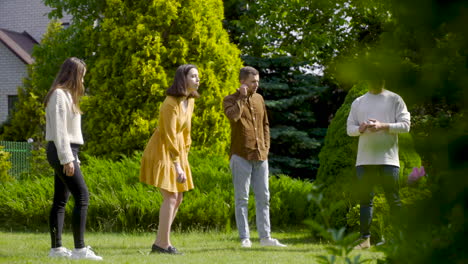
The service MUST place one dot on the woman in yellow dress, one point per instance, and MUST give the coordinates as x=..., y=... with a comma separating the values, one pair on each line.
x=165, y=159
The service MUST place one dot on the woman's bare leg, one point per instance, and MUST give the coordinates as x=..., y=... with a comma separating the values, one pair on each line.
x=166, y=216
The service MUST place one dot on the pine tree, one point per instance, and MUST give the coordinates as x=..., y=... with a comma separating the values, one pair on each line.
x=290, y=96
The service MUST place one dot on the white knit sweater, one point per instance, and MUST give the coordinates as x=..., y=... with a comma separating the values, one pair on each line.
x=378, y=148
x=63, y=126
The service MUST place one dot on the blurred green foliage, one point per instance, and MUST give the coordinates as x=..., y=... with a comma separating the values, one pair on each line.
x=422, y=53
x=337, y=171
x=342, y=242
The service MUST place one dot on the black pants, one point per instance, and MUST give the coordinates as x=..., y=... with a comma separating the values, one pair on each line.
x=64, y=185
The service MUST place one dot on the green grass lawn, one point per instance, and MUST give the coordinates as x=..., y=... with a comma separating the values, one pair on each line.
x=197, y=246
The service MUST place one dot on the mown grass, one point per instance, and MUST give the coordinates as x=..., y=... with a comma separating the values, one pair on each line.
x=198, y=247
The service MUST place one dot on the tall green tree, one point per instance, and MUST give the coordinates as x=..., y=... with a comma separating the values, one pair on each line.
x=293, y=43
x=140, y=44
x=132, y=49
x=317, y=32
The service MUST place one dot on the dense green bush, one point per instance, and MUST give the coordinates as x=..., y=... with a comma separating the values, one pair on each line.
x=337, y=160
x=118, y=201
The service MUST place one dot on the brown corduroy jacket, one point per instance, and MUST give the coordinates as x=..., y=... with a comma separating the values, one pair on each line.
x=250, y=131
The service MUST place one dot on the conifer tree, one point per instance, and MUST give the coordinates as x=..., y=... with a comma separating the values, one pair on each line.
x=290, y=96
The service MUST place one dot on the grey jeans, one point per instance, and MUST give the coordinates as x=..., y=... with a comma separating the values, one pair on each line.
x=245, y=172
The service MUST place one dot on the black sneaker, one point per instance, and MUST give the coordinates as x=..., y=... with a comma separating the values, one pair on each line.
x=169, y=250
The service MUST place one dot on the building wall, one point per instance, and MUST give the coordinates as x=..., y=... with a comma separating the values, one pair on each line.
x=26, y=15
x=12, y=72
x=19, y=16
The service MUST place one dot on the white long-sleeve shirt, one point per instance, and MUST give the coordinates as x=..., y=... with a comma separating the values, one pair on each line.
x=63, y=125
x=378, y=148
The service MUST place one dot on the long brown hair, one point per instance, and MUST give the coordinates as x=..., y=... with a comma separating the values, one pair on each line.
x=70, y=78
x=179, y=87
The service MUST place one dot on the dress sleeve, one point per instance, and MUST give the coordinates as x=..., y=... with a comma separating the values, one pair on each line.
x=169, y=113
x=188, y=128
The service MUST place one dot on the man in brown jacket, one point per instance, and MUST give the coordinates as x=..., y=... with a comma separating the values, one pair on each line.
x=250, y=142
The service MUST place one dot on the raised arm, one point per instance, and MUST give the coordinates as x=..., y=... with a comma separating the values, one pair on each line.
x=233, y=105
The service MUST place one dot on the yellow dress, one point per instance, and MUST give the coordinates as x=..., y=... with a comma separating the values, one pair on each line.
x=170, y=142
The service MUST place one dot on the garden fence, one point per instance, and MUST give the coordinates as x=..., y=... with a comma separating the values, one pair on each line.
x=20, y=154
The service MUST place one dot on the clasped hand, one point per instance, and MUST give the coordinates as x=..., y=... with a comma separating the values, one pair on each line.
x=373, y=125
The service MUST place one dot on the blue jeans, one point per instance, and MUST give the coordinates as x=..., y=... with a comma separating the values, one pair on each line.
x=245, y=172
x=370, y=176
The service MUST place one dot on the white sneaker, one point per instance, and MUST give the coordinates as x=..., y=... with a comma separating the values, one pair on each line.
x=245, y=243
x=270, y=242
x=84, y=253
x=60, y=252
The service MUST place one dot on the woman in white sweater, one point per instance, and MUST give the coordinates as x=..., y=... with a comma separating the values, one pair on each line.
x=63, y=133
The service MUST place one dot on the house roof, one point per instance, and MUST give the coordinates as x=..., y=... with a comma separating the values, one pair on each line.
x=21, y=44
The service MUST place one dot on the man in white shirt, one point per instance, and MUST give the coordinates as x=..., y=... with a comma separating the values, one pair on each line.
x=377, y=117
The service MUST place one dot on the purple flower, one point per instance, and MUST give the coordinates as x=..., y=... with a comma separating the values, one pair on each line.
x=416, y=174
